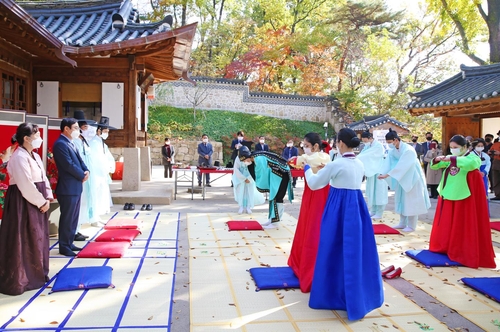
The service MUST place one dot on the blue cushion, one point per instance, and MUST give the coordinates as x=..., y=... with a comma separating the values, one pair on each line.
x=488, y=286
x=274, y=278
x=429, y=258
x=88, y=277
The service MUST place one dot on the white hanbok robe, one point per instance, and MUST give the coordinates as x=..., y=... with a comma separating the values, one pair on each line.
x=245, y=194
x=407, y=179
x=106, y=166
x=88, y=200
x=372, y=157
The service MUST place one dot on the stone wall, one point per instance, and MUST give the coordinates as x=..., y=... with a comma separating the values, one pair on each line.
x=186, y=152
x=234, y=95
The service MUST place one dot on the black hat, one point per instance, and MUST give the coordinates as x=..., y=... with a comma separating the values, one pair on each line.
x=244, y=153
x=104, y=123
x=79, y=116
x=366, y=134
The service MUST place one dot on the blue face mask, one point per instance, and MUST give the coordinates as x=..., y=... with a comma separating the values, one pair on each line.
x=391, y=146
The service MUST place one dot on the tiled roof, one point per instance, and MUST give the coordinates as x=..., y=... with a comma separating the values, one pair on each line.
x=369, y=122
x=471, y=85
x=90, y=23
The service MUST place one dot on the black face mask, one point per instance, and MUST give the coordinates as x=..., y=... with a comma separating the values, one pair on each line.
x=414, y=140
x=429, y=138
x=488, y=140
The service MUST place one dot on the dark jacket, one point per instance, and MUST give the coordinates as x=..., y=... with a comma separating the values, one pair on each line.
x=70, y=167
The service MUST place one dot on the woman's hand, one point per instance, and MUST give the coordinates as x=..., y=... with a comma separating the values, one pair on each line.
x=320, y=166
x=44, y=208
x=247, y=181
x=382, y=176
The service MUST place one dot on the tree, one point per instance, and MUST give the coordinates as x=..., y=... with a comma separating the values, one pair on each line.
x=197, y=96
x=474, y=25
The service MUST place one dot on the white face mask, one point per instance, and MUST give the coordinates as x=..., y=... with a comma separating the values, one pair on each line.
x=456, y=151
x=307, y=151
x=205, y=140
x=261, y=141
x=75, y=134
x=479, y=148
x=391, y=146
x=240, y=138
x=335, y=151
x=248, y=163
x=104, y=135
x=89, y=132
x=36, y=143
x=289, y=145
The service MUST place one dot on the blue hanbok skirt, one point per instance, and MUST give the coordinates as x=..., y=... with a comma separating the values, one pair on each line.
x=347, y=272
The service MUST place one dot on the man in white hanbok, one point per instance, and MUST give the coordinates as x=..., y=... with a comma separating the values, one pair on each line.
x=245, y=191
x=407, y=179
x=107, y=166
x=372, y=157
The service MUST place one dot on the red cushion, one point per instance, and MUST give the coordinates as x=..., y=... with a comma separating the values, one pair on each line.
x=118, y=235
x=384, y=229
x=121, y=223
x=495, y=225
x=103, y=250
x=244, y=225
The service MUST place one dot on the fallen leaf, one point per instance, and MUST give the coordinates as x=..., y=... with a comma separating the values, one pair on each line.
x=232, y=304
x=150, y=318
x=21, y=320
x=54, y=323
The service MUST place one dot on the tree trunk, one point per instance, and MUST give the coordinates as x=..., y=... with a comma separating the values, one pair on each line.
x=183, y=17
x=494, y=30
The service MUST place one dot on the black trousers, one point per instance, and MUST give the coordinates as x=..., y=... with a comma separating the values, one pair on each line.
x=168, y=170
x=68, y=221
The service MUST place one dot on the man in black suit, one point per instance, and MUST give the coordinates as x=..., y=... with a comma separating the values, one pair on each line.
x=236, y=144
x=262, y=146
x=72, y=173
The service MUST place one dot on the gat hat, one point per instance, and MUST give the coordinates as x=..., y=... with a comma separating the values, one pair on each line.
x=244, y=153
x=104, y=123
x=79, y=116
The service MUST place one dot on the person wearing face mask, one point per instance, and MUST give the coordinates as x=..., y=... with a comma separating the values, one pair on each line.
x=405, y=176
x=494, y=152
x=292, y=152
x=82, y=144
x=262, y=146
x=347, y=270
x=238, y=142
x=167, y=154
x=426, y=147
x=461, y=226
x=433, y=176
x=478, y=147
x=106, y=166
x=72, y=173
x=271, y=174
x=244, y=189
x=488, y=138
x=333, y=150
x=24, y=232
x=205, y=151
x=305, y=241
x=417, y=146
x=372, y=157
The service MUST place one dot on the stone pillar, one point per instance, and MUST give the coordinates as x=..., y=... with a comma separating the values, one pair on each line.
x=131, y=169
x=145, y=163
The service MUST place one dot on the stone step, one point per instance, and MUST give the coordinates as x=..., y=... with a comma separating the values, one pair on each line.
x=155, y=193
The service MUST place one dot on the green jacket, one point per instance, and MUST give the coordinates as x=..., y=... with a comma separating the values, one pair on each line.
x=453, y=185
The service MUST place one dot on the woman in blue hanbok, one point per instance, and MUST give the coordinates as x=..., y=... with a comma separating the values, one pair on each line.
x=245, y=191
x=347, y=272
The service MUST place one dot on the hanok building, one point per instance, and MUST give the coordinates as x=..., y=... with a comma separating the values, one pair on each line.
x=96, y=56
x=378, y=122
x=468, y=103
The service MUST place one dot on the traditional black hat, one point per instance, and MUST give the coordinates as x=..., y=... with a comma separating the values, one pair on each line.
x=244, y=153
x=79, y=115
x=104, y=123
x=366, y=134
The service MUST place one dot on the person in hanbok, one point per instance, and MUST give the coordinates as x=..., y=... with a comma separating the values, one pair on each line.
x=24, y=231
x=106, y=165
x=461, y=227
x=87, y=202
x=433, y=176
x=347, y=272
x=272, y=175
x=372, y=157
x=245, y=191
x=305, y=241
x=478, y=146
x=407, y=179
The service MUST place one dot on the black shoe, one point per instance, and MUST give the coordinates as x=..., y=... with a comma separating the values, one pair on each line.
x=66, y=252
x=85, y=236
x=79, y=237
x=131, y=206
x=126, y=206
x=199, y=184
x=495, y=199
x=75, y=248
x=143, y=207
x=149, y=207
x=208, y=185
